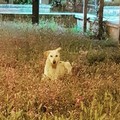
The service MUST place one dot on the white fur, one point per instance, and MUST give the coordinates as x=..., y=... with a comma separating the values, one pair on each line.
x=54, y=68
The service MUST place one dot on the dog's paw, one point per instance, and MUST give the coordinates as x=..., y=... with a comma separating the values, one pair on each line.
x=44, y=77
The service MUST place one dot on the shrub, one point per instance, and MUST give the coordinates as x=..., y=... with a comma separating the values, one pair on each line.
x=108, y=43
x=22, y=1
x=115, y=57
x=112, y=3
x=96, y=56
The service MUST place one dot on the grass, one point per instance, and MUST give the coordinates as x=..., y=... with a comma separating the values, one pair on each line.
x=91, y=93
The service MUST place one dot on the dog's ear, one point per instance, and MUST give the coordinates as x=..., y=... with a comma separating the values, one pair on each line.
x=58, y=49
x=46, y=53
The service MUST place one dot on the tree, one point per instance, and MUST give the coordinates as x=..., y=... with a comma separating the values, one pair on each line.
x=100, y=19
x=35, y=12
x=85, y=2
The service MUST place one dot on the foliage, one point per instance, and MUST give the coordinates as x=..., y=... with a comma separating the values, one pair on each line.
x=91, y=93
x=115, y=56
x=112, y=3
x=96, y=56
x=22, y=1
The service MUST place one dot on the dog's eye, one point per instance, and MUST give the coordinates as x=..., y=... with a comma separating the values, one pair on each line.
x=51, y=56
x=56, y=56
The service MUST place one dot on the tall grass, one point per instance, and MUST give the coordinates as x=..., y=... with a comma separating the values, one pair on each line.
x=91, y=93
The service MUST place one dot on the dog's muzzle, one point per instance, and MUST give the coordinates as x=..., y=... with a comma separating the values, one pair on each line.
x=54, y=62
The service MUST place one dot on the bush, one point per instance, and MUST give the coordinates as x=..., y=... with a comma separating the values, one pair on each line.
x=22, y=1
x=112, y=3
x=108, y=43
x=96, y=57
x=115, y=57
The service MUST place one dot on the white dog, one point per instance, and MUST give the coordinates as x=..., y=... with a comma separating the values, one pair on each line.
x=54, y=68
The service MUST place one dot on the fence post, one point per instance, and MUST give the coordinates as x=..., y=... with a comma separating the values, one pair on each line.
x=35, y=12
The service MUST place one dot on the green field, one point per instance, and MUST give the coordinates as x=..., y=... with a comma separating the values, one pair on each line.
x=92, y=92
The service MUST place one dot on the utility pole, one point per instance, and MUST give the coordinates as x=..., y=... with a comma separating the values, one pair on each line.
x=35, y=11
x=85, y=2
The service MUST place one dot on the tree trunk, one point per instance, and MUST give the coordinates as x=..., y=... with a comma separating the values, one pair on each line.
x=35, y=12
x=85, y=2
x=119, y=30
x=119, y=34
x=100, y=19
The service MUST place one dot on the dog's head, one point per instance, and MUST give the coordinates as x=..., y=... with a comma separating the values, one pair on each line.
x=53, y=56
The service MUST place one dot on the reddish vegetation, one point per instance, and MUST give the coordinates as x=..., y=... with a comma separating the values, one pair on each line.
x=92, y=90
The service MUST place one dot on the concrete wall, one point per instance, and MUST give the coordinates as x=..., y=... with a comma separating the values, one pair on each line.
x=113, y=31
x=108, y=0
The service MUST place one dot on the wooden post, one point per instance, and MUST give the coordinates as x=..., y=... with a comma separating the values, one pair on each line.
x=85, y=2
x=100, y=19
x=35, y=12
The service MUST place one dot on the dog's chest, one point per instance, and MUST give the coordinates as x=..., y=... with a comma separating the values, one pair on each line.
x=55, y=73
